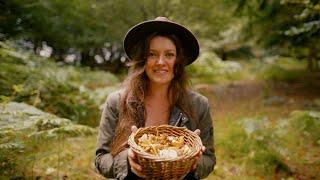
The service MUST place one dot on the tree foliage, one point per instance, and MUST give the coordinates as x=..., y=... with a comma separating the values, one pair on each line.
x=59, y=90
x=93, y=30
x=290, y=27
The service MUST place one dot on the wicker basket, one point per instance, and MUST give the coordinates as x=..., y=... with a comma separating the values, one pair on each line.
x=155, y=167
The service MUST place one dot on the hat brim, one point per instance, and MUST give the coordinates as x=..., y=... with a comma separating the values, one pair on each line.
x=141, y=31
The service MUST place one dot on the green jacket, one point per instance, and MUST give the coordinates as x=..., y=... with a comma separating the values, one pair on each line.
x=117, y=166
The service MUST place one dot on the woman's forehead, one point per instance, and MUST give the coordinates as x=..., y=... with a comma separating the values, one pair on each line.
x=161, y=43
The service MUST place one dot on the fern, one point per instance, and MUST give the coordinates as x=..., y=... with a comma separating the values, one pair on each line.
x=65, y=131
x=11, y=146
x=307, y=123
x=50, y=123
x=7, y=135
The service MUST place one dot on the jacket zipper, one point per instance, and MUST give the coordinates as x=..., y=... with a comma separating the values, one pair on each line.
x=178, y=121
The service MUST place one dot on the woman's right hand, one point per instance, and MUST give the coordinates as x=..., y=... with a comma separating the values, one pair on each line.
x=135, y=167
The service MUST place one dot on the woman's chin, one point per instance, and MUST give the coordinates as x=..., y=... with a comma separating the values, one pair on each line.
x=161, y=81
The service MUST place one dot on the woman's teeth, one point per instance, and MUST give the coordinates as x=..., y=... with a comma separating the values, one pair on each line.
x=160, y=71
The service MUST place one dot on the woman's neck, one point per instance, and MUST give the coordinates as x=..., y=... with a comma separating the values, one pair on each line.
x=158, y=90
x=157, y=106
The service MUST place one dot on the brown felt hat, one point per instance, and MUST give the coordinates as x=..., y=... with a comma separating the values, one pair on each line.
x=142, y=30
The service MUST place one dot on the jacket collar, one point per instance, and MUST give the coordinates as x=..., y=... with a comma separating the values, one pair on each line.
x=178, y=118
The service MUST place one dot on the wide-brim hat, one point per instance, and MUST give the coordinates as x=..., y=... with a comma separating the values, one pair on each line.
x=142, y=30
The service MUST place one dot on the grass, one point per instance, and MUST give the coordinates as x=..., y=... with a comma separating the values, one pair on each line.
x=58, y=158
x=69, y=158
x=239, y=155
x=64, y=158
x=258, y=156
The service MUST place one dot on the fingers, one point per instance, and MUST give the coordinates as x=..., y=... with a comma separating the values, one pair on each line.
x=203, y=148
x=132, y=158
x=135, y=167
x=194, y=166
x=197, y=131
x=138, y=173
x=199, y=154
x=134, y=129
x=131, y=154
x=197, y=157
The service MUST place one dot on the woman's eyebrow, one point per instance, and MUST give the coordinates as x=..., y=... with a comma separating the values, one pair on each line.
x=170, y=50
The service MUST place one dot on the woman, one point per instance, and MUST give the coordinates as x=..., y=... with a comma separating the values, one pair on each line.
x=154, y=93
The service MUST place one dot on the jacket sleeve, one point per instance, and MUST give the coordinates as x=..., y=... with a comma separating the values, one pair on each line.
x=108, y=165
x=208, y=160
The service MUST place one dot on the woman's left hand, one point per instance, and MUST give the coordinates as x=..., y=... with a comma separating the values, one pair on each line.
x=203, y=149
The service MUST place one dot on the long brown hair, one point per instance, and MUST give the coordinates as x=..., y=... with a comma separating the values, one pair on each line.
x=132, y=110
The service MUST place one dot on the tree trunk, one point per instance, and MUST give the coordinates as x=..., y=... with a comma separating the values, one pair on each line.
x=312, y=57
x=86, y=59
x=310, y=66
x=224, y=56
x=36, y=46
x=317, y=64
x=59, y=54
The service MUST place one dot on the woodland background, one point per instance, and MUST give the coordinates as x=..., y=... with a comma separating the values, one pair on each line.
x=259, y=66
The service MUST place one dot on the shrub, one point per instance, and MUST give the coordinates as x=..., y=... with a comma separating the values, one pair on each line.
x=40, y=82
x=282, y=147
x=280, y=68
x=209, y=69
x=24, y=130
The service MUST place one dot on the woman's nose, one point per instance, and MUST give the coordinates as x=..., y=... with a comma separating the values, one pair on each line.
x=161, y=59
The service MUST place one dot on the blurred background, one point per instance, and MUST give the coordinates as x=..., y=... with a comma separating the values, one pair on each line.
x=259, y=66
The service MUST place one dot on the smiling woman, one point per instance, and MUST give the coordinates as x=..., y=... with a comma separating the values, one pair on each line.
x=160, y=60
x=154, y=93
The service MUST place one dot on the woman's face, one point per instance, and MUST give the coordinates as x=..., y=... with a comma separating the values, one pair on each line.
x=160, y=60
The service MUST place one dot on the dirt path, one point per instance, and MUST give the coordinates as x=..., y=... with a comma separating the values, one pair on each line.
x=242, y=99
x=250, y=98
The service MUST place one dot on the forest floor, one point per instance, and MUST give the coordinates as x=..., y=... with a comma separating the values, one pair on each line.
x=243, y=99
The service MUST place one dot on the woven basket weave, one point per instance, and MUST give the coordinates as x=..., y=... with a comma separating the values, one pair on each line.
x=155, y=167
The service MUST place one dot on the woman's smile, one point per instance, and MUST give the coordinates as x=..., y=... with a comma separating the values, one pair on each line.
x=160, y=71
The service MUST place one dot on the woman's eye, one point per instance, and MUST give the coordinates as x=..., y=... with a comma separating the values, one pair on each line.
x=152, y=54
x=170, y=55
